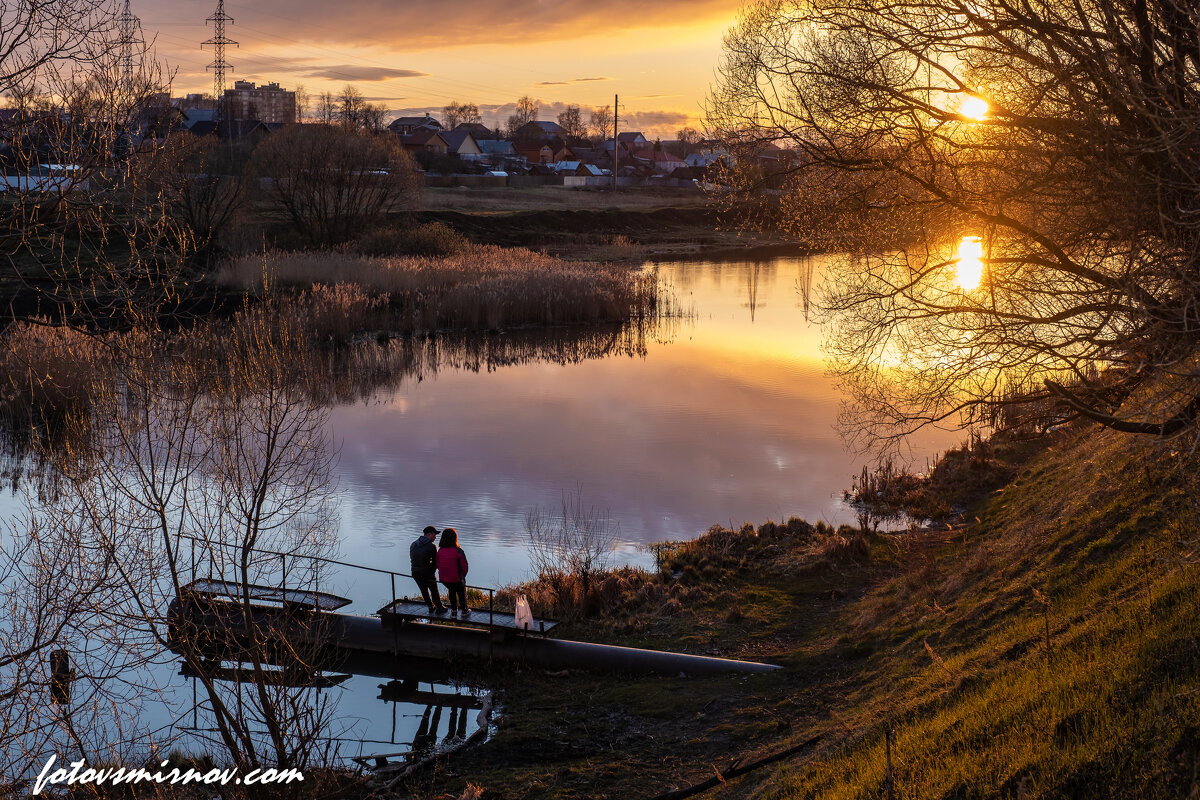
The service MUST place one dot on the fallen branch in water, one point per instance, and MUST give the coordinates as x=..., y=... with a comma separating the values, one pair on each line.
x=737, y=772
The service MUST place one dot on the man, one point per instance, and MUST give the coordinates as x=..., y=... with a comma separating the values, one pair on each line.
x=423, y=554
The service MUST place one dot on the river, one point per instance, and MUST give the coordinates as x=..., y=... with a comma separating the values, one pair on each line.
x=722, y=414
x=727, y=417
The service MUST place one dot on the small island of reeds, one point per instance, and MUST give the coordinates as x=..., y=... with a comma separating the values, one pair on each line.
x=482, y=287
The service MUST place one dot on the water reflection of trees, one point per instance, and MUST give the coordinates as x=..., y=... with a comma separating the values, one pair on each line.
x=228, y=452
x=360, y=371
x=34, y=440
x=201, y=449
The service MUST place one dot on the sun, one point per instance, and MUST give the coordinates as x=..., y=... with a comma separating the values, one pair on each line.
x=973, y=107
x=969, y=261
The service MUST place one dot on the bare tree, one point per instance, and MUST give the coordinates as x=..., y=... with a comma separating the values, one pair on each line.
x=569, y=549
x=326, y=112
x=571, y=121
x=207, y=189
x=373, y=116
x=42, y=38
x=527, y=112
x=303, y=103
x=82, y=226
x=207, y=460
x=332, y=181
x=688, y=138
x=602, y=123
x=455, y=114
x=1015, y=185
x=351, y=108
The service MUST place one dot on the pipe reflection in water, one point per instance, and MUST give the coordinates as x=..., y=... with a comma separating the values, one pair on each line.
x=429, y=710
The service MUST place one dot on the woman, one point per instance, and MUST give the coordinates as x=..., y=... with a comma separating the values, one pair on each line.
x=452, y=571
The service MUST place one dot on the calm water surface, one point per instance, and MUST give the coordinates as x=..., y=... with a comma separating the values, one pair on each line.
x=724, y=417
x=728, y=418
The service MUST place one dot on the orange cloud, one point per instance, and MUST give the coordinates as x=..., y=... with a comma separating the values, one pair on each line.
x=430, y=25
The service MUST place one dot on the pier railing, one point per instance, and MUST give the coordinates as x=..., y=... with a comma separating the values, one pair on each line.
x=212, y=546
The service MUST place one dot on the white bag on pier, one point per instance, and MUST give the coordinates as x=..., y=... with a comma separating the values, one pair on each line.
x=524, y=615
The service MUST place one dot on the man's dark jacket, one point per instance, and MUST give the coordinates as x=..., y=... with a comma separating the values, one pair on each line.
x=423, y=554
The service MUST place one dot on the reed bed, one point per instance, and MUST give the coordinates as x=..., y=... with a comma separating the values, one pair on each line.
x=45, y=370
x=482, y=288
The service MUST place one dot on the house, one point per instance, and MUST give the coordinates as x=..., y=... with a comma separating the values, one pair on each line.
x=594, y=155
x=546, y=152
x=499, y=154
x=406, y=126
x=478, y=130
x=590, y=170
x=662, y=162
x=423, y=139
x=462, y=144
x=193, y=115
x=631, y=141
x=541, y=131
x=496, y=148
x=705, y=159
x=59, y=178
x=535, y=153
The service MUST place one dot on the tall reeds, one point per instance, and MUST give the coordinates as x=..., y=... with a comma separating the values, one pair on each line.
x=481, y=288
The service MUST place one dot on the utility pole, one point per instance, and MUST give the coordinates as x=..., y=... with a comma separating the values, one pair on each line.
x=218, y=42
x=616, y=152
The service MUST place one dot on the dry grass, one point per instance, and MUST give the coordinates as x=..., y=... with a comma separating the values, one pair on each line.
x=481, y=288
x=499, y=200
x=47, y=371
x=692, y=575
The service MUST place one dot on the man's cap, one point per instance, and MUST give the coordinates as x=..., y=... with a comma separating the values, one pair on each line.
x=430, y=529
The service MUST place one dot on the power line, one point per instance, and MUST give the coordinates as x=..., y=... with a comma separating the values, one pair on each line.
x=218, y=42
x=127, y=27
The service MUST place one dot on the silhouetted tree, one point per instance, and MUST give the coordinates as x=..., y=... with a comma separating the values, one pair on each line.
x=602, y=123
x=455, y=114
x=1058, y=139
x=331, y=181
x=571, y=121
x=527, y=112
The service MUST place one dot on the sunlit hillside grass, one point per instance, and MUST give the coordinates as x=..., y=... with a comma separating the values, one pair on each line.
x=1048, y=650
x=1053, y=651
x=480, y=288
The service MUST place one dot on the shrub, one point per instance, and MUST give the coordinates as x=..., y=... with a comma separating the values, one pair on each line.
x=429, y=239
x=332, y=182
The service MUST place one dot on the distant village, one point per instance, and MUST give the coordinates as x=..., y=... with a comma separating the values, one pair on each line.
x=468, y=152
x=455, y=150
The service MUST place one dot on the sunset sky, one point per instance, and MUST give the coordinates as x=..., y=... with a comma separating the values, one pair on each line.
x=415, y=56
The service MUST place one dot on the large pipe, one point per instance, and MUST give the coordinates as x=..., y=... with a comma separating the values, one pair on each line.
x=355, y=634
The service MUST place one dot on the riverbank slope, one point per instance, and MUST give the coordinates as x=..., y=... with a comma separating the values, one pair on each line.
x=1047, y=649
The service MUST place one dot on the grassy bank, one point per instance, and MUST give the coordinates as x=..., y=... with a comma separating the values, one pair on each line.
x=542, y=198
x=1049, y=649
x=630, y=226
